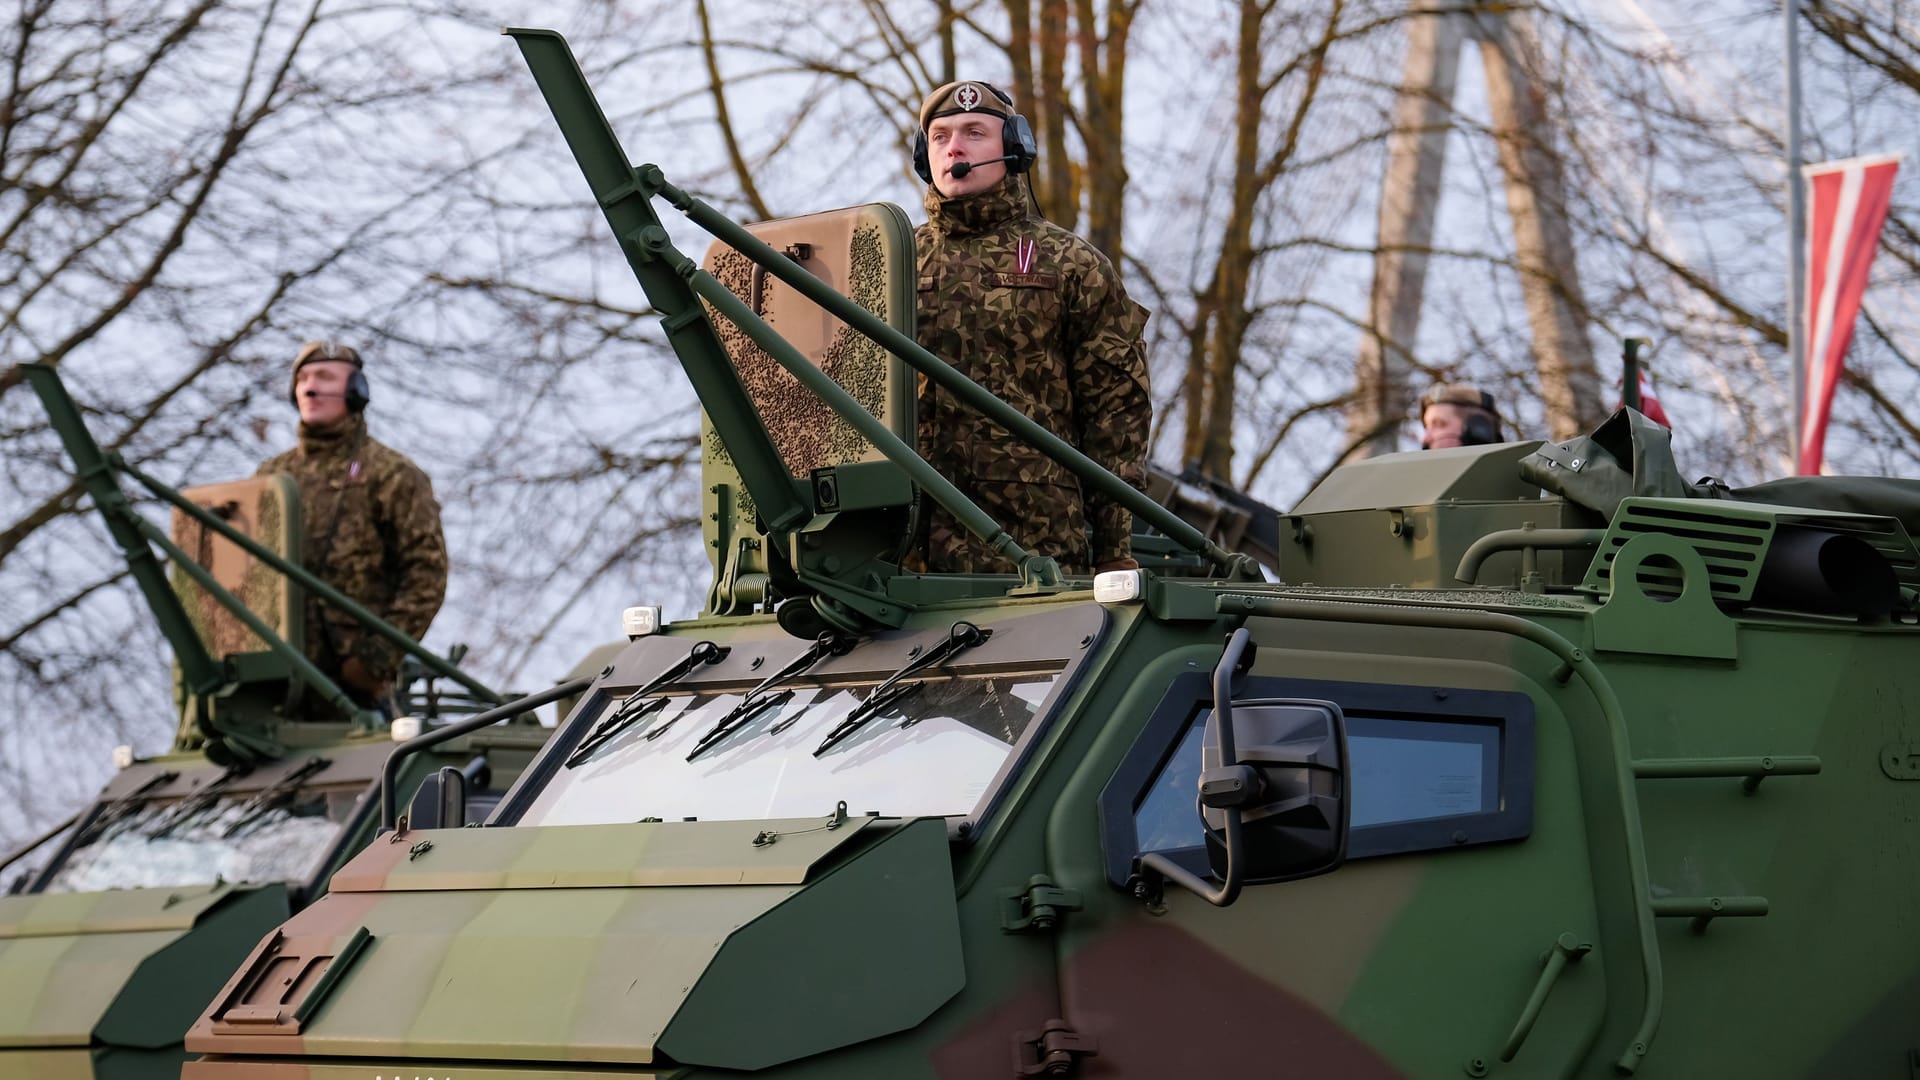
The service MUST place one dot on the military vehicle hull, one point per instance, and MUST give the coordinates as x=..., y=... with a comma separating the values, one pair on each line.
x=899, y=948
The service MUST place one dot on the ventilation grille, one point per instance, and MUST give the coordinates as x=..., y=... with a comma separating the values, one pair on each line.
x=1732, y=545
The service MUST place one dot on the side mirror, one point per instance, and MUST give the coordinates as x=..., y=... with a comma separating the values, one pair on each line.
x=1287, y=784
x=1273, y=788
x=440, y=802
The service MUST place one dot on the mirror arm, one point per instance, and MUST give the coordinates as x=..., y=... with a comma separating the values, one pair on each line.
x=1234, y=660
x=1219, y=896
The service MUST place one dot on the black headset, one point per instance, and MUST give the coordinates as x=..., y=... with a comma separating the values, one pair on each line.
x=1481, y=429
x=1016, y=140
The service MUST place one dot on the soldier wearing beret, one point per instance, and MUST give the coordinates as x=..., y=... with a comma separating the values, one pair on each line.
x=1456, y=414
x=1038, y=316
x=372, y=527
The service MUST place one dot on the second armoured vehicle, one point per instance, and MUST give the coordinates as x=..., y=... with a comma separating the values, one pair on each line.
x=1496, y=785
x=115, y=927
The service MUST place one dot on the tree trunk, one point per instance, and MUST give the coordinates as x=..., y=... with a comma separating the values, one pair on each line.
x=1054, y=179
x=1542, y=234
x=1409, y=200
x=1104, y=62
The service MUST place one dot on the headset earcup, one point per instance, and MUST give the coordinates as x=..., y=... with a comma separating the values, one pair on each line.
x=1018, y=143
x=1480, y=430
x=359, y=392
x=922, y=164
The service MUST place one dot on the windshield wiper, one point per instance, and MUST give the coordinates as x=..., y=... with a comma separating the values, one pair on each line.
x=193, y=805
x=961, y=636
x=122, y=806
x=753, y=704
x=635, y=706
x=275, y=796
x=630, y=712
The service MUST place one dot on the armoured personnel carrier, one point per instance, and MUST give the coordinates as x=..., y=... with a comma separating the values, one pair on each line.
x=116, y=926
x=1498, y=785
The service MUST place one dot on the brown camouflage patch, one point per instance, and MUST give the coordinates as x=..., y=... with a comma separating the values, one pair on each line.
x=257, y=507
x=847, y=249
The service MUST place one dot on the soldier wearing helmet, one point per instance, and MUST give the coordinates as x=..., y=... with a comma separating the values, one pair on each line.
x=1456, y=414
x=372, y=527
x=1038, y=316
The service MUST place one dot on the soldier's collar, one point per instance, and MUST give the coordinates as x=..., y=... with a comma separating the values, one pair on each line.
x=980, y=213
x=349, y=435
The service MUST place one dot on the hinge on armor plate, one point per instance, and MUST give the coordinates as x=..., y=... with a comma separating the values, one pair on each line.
x=1052, y=1051
x=1036, y=907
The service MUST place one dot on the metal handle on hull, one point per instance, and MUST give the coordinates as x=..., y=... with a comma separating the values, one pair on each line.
x=1567, y=949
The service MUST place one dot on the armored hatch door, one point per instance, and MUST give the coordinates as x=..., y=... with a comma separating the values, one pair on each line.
x=267, y=510
x=865, y=253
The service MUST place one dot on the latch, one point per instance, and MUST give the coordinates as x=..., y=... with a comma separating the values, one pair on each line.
x=1036, y=907
x=1053, y=1051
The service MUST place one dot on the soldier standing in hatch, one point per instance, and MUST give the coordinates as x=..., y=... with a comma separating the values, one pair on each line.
x=372, y=525
x=1039, y=317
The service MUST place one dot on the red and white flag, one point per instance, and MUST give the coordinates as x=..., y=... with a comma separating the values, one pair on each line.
x=1846, y=205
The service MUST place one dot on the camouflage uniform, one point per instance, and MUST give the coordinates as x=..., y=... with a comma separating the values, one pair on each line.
x=1038, y=316
x=373, y=532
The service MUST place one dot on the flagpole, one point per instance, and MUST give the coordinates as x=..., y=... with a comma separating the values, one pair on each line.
x=1796, y=236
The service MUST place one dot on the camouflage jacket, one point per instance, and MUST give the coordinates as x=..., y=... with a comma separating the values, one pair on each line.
x=373, y=532
x=1038, y=316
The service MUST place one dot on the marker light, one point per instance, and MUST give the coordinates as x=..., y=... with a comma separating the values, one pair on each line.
x=638, y=622
x=1119, y=586
x=122, y=756
x=405, y=728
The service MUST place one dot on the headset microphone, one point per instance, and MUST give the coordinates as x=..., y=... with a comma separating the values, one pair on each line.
x=962, y=168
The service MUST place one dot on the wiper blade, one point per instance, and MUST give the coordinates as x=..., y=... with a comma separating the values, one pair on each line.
x=279, y=794
x=754, y=703
x=961, y=636
x=195, y=804
x=122, y=806
x=630, y=712
x=635, y=706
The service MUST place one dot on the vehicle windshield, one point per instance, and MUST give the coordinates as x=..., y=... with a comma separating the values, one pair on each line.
x=230, y=838
x=930, y=751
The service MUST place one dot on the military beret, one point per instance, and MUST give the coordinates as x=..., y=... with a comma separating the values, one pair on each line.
x=962, y=97
x=322, y=349
x=1458, y=394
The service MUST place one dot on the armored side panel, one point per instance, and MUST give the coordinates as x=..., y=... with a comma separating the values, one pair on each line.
x=866, y=253
x=123, y=969
x=267, y=509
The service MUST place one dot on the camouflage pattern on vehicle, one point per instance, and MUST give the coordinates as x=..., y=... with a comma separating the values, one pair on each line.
x=116, y=927
x=1601, y=797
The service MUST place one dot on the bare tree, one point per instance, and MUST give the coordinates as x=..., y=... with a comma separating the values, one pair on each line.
x=188, y=190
